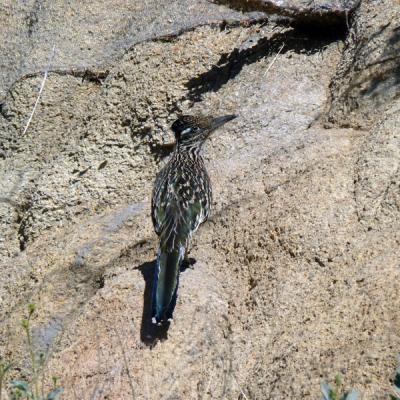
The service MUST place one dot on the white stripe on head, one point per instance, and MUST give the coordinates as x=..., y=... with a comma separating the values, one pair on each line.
x=187, y=130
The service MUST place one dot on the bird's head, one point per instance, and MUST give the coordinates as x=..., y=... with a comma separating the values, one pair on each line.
x=193, y=130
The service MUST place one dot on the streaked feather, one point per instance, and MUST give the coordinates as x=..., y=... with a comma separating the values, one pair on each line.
x=180, y=203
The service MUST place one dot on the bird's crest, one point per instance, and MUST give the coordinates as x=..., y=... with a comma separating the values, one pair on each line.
x=196, y=128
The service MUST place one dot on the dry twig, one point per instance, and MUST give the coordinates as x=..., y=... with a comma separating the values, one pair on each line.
x=273, y=61
x=46, y=72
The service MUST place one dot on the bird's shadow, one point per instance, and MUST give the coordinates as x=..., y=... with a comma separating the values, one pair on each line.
x=150, y=333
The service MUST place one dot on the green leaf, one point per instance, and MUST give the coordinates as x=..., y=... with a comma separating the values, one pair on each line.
x=338, y=380
x=20, y=385
x=7, y=368
x=25, y=323
x=16, y=395
x=4, y=368
x=53, y=395
x=326, y=391
x=353, y=395
x=31, y=308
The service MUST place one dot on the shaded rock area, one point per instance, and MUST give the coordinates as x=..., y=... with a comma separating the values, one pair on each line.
x=368, y=76
x=327, y=13
x=296, y=273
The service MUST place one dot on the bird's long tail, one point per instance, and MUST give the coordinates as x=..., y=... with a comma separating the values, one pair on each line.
x=165, y=285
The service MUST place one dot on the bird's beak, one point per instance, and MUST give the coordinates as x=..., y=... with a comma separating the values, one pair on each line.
x=217, y=122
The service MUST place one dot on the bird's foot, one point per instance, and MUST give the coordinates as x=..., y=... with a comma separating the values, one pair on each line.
x=188, y=263
x=162, y=322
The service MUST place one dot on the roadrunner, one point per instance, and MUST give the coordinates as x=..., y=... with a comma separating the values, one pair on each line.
x=180, y=203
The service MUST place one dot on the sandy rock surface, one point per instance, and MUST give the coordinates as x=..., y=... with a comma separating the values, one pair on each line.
x=297, y=271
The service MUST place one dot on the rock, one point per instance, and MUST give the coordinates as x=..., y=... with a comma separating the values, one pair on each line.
x=377, y=182
x=296, y=271
x=88, y=36
x=320, y=12
x=367, y=79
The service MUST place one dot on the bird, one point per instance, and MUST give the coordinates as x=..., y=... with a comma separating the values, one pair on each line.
x=181, y=201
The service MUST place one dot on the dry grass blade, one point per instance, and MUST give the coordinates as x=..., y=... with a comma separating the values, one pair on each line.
x=241, y=391
x=273, y=61
x=46, y=72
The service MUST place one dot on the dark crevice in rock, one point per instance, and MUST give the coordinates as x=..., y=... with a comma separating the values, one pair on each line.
x=222, y=25
x=299, y=40
x=97, y=76
x=4, y=111
x=88, y=75
x=100, y=282
x=331, y=16
x=102, y=165
x=23, y=237
x=32, y=19
x=319, y=261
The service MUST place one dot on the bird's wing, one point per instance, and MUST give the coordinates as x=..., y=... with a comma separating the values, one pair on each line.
x=177, y=211
x=158, y=200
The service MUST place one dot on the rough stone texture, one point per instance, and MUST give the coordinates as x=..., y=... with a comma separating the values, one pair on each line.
x=377, y=184
x=89, y=34
x=320, y=12
x=297, y=272
x=368, y=75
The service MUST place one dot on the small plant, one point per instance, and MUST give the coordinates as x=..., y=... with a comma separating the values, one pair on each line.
x=333, y=394
x=32, y=389
x=4, y=368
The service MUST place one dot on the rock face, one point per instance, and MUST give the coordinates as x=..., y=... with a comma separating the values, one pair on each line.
x=88, y=35
x=368, y=76
x=296, y=276
x=321, y=12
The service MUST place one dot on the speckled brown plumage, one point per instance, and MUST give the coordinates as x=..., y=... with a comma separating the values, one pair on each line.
x=180, y=203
